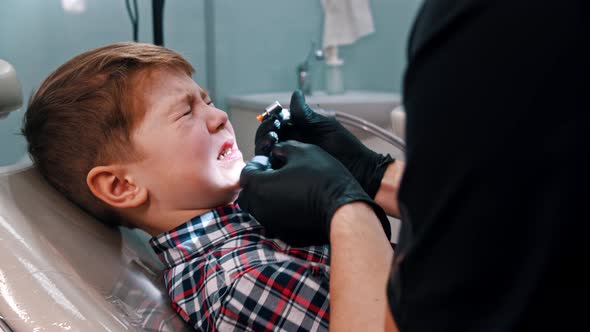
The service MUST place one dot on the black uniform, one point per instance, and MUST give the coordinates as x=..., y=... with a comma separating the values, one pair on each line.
x=496, y=191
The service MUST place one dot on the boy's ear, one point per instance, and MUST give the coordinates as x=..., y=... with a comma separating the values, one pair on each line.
x=114, y=186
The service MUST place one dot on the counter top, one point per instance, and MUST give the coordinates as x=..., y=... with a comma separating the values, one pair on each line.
x=318, y=98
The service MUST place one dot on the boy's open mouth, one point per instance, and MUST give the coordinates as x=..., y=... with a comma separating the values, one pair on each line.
x=226, y=149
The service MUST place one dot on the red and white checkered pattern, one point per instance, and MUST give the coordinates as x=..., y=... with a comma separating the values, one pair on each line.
x=225, y=274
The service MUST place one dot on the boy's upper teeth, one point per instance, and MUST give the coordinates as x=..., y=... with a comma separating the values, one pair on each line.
x=224, y=153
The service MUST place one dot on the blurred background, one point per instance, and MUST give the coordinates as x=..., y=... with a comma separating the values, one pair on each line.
x=237, y=47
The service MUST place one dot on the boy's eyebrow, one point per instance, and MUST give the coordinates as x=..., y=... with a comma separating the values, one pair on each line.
x=184, y=99
x=187, y=98
x=204, y=94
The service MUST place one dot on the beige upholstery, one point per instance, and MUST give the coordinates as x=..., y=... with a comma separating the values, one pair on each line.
x=61, y=270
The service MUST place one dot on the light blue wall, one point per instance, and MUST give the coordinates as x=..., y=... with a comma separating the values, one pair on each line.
x=257, y=44
x=260, y=43
x=36, y=36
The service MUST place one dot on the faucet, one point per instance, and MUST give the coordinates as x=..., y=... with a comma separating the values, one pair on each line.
x=303, y=69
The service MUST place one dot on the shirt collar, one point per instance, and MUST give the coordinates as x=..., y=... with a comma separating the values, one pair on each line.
x=202, y=234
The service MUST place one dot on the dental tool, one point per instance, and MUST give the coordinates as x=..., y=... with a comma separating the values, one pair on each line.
x=275, y=108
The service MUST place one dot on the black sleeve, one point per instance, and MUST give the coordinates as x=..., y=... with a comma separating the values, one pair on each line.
x=494, y=194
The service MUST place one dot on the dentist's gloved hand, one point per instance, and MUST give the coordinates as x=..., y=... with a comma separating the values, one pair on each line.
x=266, y=136
x=297, y=201
x=367, y=166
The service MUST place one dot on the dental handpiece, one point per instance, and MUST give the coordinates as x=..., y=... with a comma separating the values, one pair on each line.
x=275, y=109
x=283, y=116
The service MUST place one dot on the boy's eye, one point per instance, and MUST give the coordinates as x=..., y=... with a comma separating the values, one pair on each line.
x=210, y=102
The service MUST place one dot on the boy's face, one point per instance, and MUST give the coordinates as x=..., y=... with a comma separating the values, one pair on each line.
x=190, y=157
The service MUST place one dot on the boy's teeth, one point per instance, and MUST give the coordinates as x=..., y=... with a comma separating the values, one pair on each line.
x=223, y=154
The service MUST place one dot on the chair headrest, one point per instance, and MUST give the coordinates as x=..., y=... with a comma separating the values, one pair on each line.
x=11, y=97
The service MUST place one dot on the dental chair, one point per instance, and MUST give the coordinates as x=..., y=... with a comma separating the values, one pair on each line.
x=61, y=270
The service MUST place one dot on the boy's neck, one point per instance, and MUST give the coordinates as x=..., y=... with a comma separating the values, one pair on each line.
x=164, y=221
x=155, y=218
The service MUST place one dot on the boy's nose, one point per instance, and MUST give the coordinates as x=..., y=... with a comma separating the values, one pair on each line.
x=216, y=120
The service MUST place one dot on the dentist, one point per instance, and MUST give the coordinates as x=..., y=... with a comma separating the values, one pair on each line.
x=493, y=198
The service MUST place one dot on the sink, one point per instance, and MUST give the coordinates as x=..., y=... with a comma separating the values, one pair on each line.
x=372, y=106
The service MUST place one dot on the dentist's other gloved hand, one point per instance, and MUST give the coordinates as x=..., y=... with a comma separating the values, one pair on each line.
x=367, y=166
x=297, y=201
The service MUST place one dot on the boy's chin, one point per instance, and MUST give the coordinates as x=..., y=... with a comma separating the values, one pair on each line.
x=233, y=190
x=235, y=174
x=240, y=165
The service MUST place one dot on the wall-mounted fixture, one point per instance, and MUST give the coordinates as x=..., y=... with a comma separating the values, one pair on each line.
x=303, y=69
x=11, y=96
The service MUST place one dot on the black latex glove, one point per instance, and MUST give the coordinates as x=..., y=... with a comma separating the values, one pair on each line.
x=365, y=165
x=297, y=201
x=266, y=136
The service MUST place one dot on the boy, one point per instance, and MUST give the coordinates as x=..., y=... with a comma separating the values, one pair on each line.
x=126, y=134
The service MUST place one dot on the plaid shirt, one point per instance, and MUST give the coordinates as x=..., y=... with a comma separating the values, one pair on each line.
x=224, y=274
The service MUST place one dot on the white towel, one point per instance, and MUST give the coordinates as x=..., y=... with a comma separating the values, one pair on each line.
x=345, y=21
